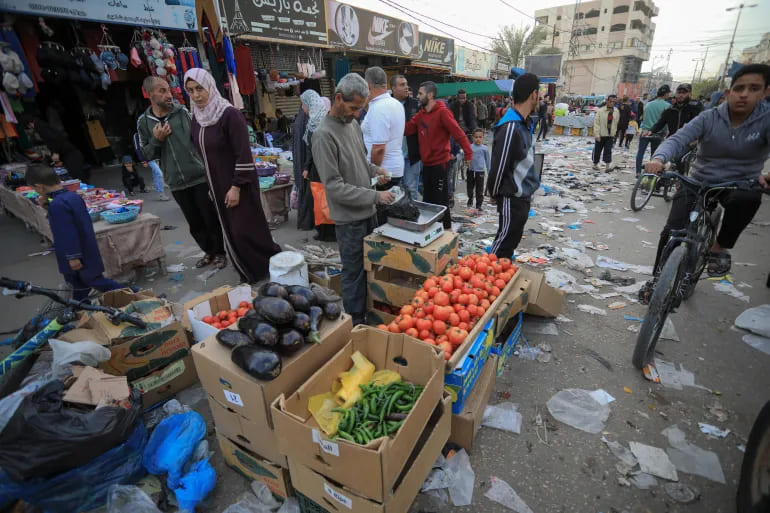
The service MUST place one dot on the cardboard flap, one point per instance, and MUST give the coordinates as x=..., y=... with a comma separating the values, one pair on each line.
x=544, y=300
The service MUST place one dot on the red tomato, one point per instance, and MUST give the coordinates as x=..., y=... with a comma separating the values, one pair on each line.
x=454, y=269
x=393, y=327
x=428, y=308
x=456, y=336
x=425, y=335
x=382, y=327
x=433, y=291
x=429, y=284
x=439, y=327
x=208, y=319
x=423, y=325
x=446, y=347
x=407, y=310
x=481, y=267
x=217, y=325
x=242, y=311
x=447, y=356
x=494, y=292
x=473, y=299
x=454, y=296
x=405, y=323
x=505, y=263
x=500, y=284
x=225, y=324
x=463, y=299
x=458, y=307
x=244, y=304
x=412, y=332
x=417, y=301
x=464, y=316
x=492, y=257
x=454, y=319
x=429, y=341
x=472, y=310
x=441, y=313
x=484, y=303
x=466, y=273
x=441, y=298
x=463, y=326
x=497, y=268
x=419, y=313
x=480, y=311
x=222, y=315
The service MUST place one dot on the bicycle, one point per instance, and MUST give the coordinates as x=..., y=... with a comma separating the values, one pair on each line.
x=647, y=187
x=685, y=256
x=35, y=334
x=753, y=494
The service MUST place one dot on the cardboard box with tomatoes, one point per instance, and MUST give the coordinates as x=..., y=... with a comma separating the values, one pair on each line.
x=218, y=309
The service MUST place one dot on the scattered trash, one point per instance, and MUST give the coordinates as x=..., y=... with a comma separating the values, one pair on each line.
x=757, y=342
x=672, y=377
x=153, y=417
x=628, y=391
x=621, y=453
x=593, y=310
x=540, y=328
x=129, y=499
x=454, y=474
x=719, y=413
x=602, y=396
x=258, y=500
x=714, y=431
x=503, y=416
x=681, y=493
x=611, y=263
x=528, y=353
x=631, y=219
x=502, y=493
x=577, y=408
x=208, y=273
x=643, y=228
x=168, y=227
x=596, y=246
x=617, y=305
x=643, y=481
x=729, y=289
x=178, y=277
x=669, y=331
x=653, y=460
x=755, y=320
x=40, y=253
x=561, y=280
x=575, y=259
x=617, y=280
x=563, y=318
x=690, y=458
x=176, y=268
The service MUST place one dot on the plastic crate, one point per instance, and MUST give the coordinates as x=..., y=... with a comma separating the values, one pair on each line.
x=460, y=381
x=505, y=350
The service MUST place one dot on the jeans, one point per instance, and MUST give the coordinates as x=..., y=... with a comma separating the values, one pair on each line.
x=452, y=170
x=350, y=239
x=81, y=288
x=157, y=175
x=654, y=142
x=412, y=177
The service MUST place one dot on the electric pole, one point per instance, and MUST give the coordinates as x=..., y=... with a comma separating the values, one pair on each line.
x=740, y=8
x=700, y=76
x=573, y=47
x=695, y=71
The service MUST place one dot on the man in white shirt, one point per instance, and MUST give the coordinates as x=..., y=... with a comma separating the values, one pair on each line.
x=383, y=127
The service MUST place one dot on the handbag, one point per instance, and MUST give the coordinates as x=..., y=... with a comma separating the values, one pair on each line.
x=320, y=205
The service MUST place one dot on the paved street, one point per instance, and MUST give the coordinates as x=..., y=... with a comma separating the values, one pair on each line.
x=574, y=471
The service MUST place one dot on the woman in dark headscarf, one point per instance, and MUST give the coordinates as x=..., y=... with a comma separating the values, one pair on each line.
x=220, y=134
x=317, y=110
x=302, y=186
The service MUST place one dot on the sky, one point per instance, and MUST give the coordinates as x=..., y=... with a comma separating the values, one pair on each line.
x=681, y=25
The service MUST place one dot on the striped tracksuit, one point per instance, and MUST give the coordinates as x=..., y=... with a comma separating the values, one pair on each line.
x=513, y=179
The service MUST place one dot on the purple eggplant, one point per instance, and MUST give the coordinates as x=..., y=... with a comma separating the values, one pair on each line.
x=258, y=362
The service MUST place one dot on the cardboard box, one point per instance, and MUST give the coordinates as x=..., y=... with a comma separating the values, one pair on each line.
x=511, y=336
x=164, y=383
x=425, y=261
x=513, y=302
x=459, y=382
x=544, y=300
x=136, y=357
x=318, y=493
x=467, y=422
x=250, y=397
x=249, y=435
x=333, y=282
x=369, y=470
x=223, y=298
x=375, y=317
x=256, y=468
x=391, y=286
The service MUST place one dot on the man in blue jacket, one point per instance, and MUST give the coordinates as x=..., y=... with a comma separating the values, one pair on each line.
x=513, y=178
x=734, y=143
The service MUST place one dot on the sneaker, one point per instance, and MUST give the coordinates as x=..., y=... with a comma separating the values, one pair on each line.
x=596, y=167
x=645, y=293
x=470, y=204
x=163, y=197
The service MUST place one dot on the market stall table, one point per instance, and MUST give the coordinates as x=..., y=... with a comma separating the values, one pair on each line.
x=276, y=202
x=123, y=246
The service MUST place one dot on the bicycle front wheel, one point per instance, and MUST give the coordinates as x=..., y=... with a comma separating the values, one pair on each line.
x=660, y=305
x=643, y=189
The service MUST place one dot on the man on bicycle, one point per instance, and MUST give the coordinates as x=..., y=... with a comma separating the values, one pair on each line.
x=734, y=145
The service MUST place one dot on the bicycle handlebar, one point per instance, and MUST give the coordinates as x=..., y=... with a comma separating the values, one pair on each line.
x=115, y=315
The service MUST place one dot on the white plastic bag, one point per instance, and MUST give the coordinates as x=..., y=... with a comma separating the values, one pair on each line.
x=66, y=353
x=129, y=499
x=502, y=493
x=577, y=408
x=462, y=475
x=503, y=416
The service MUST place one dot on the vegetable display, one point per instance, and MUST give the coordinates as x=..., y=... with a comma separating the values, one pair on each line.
x=447, y=308
x=364, y=405
x=278, y=323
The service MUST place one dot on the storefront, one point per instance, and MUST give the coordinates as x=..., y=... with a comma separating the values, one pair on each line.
x=472, y=64
x=434, y=61
x=86, y=64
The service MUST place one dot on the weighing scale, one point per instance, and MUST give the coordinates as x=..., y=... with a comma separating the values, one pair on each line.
x=421, y=232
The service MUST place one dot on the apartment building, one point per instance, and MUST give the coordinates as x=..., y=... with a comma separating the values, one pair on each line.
x=759, y=53
x=612, y=38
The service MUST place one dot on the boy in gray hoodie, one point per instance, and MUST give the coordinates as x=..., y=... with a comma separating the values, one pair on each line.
x=734, y=143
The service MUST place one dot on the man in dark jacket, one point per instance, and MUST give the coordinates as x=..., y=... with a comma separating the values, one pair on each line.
x=164, y=132
x=513, y=176
x=625, y=109
x=411, y=147
x=682, y=111
x=463, y=112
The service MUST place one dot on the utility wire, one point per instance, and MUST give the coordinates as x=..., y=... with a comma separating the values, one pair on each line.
x=402, y=8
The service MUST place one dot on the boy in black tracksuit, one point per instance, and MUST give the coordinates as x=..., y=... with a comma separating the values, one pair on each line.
x=513, y=178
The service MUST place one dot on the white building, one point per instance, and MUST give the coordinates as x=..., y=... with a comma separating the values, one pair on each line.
x=604, y=42
x=759, y=53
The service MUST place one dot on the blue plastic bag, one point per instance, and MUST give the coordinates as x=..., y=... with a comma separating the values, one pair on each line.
x=195, y=485
x=171, y=445
x=85, y=487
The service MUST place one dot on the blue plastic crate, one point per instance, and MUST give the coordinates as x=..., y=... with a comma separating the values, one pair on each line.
x=505, y=351
x=460, y=381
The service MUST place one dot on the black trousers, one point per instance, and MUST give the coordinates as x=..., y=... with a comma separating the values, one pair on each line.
x=475, y=183
x=435, y=189
x=620, y=134
x=513, y=214
x=629, y=138
x=543, y=128
x=739, y=209
x=603, y=149
x=201, y=215
x=131, y=180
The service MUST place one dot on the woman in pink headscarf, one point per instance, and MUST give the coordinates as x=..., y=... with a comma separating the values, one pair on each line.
x=219, y=132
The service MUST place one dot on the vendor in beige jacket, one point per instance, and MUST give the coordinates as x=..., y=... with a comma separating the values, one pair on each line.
x=605, y=126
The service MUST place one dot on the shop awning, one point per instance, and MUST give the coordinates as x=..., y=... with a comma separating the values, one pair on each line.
x=477, y=88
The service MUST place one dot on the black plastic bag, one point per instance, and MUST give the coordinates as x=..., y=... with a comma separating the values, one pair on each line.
x=403, y=208
x=44, y=437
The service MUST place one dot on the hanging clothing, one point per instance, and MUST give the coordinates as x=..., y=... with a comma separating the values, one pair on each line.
x=247, y=81
x=227, y=157
x=236, y=94
x=227, y=50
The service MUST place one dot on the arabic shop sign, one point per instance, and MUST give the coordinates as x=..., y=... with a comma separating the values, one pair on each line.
x=291, y=20
x=502, y=64
x=472, y=63
x=353, y=28
x=436, y=50
x=170, y=14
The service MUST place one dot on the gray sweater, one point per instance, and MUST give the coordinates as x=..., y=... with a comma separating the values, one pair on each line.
x=725, y=153
x=340, y=157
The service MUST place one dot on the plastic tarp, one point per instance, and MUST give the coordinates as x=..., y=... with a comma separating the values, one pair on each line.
x=475, y=88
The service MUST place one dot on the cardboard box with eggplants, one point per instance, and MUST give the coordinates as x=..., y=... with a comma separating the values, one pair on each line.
x=240, y=403
x=368, y=470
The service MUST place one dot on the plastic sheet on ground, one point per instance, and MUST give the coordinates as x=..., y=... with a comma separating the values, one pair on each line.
x=758, y=343
x=621, y=452
x=503, y=416
x=653, y=460
x=728, y=288
x=575, y=259
x=577, y=408
x=593, y=310
x=643, y=481
x=617, y=265
x=690, y=458
x=562, y=280
x=129, y=499
x=258, y=500
x=463, y=479
x=502, y=493
x=602, y=396
x=755, y=320
x=711, y=430
x=673, y=377
x=536, y=327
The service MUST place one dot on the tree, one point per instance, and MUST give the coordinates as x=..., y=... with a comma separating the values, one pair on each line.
x=705, y=87
x=549, y=50
x=518, y=42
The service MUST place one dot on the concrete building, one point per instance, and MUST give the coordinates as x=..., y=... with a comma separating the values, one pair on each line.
x=758, y=54
x=604, y=42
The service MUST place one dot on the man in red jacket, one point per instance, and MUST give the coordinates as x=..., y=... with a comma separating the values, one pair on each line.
x=434, y=124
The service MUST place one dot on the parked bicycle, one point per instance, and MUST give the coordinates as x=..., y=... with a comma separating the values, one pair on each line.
x=685, y=257
x=35, y=334
x=647, y=185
